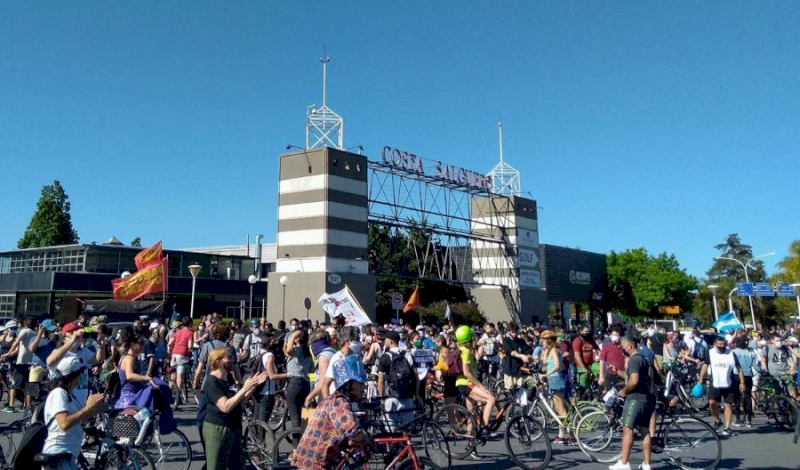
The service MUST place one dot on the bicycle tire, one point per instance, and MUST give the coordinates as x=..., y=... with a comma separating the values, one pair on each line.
x=785, y=411
x=174, y=448
x=435, y=444
x=259, y=442
x=583, y=408
x=599, y=437
x=460, y=429
x=280, y=411
x=285, y=444
x=7, y=447
x=118, y=458
x=528, y=433
x=702, y=436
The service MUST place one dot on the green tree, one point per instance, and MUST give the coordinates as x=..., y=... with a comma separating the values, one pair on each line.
x=464, y=313
x=137, y=242
x=640, y=283
x=789, y=273
x=733, y=247
x=51, y=224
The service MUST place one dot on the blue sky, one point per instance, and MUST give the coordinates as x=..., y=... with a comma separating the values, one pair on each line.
x=666, y=125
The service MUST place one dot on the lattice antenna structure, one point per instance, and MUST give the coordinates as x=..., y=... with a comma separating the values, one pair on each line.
x=324, y=128
x=505, y=178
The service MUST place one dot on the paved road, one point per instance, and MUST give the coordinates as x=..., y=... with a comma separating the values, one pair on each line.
x=759, y=448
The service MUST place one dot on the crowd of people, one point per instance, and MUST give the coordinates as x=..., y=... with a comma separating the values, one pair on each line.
x=332, y=367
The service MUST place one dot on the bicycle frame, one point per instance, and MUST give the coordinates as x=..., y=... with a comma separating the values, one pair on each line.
x=406, y=452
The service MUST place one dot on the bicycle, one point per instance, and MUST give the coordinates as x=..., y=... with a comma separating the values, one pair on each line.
x=599, y=436
x=541, y=410
x=7, y=447
x=775, y=402
x=181, y=396
x=259, y=441
x=120, y=455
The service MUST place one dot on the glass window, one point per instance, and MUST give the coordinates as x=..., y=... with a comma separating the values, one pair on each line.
x=6, y=305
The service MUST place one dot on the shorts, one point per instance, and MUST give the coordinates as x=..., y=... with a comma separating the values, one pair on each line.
x=465, y=389
x=17, y=376
x=37, y=374
x=556, y=383
x=450, y=389
x=179, y=363
x=728, y=394
x=510, y=381
x=637, y=413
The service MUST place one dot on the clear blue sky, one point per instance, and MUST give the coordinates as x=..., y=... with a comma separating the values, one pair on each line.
x=666, y=125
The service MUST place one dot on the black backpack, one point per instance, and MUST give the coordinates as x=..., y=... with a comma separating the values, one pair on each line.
x=31, y=444
x=255, y=365
x=400, y=375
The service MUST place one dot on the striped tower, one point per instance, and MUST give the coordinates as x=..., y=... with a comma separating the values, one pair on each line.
x=513, y=267
x=322, y=233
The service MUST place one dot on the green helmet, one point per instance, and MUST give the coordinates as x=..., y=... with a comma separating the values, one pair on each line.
x=255, y=322
x=463, y=334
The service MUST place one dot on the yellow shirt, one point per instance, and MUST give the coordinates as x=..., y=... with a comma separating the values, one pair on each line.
x=467, y=360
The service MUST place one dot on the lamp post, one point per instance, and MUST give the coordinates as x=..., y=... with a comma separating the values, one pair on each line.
x=747, y=278
x=284, y=280
x=252, y=280
x=796, y=287
x=194, y=270
x=714, y=288
x=730, y=301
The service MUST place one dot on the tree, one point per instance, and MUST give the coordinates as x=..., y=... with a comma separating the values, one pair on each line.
x=733, y=247
x=137, y=242
x=788, y=272
x=640, y=283
x=51, y=224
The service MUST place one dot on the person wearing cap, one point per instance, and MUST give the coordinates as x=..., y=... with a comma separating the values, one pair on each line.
x=64, y=412
x=334, y=427
x=74, y=345
x=43, y=345
x=404, y=388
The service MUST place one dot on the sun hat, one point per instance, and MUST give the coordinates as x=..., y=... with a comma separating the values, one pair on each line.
x=11, y=325
x=350, y=368
x=547, y=334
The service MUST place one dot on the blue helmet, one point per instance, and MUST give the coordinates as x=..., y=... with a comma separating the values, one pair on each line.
x=351, y=368
x=698, y=390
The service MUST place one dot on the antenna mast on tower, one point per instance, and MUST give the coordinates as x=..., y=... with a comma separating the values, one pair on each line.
x=505, y=178
x=324, y=128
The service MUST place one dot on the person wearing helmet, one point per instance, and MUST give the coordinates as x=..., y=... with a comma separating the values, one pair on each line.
x=252, y=342
x=468, y=383
x=334, y=428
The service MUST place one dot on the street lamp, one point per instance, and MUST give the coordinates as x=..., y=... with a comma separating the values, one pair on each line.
x=284, y=280
x=747, y=277
x=796, y=287
x=194, y=270
x=730, y=301
x=714, y=288
x=252, y=280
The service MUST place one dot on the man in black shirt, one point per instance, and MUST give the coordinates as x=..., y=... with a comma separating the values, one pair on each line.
x=640, y=401
x=515, y=349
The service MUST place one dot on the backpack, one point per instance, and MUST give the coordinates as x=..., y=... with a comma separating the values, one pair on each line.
x=400, y=375
x=255, y=365
x=700, y=350
x=280, y=358
x=32, y=443
x=454, y=365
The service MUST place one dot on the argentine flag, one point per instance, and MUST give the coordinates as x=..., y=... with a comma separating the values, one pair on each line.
x=728, y=322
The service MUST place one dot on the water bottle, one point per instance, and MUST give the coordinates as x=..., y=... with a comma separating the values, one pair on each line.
x=144, y=416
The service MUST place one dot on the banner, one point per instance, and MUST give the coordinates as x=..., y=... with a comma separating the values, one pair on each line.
x=344, y=303
x=148, y=256
x=150, y=280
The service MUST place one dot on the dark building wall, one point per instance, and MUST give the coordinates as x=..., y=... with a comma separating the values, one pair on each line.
x=574, y=276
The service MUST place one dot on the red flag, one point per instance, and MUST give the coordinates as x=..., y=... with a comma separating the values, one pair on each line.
x=413, y=301
x=149, y=256
x=150, y=280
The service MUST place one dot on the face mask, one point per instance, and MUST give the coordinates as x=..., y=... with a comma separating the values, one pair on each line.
x=722, y=349
x=355, y=347
x=614, y=338
x=417, y=344
x=587, y=336
x=292, y=328
x=778, y=344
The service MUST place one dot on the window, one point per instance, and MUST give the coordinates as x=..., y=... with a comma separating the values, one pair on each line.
x=73, y=260
x=6, y=305
x=52, y=261
x=5, y=264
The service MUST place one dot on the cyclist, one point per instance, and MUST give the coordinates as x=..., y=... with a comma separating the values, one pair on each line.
x=334, y=428
x=23, y=349
x=394, y=367
x=551, y=357
x=612, y=360
x=723, y=366
x=778, y=361
x=252, y=342
x=74, y=346
x=468, y=383
x=180, y=345
x=423, y=358
x=490, y=341
x=515, y=357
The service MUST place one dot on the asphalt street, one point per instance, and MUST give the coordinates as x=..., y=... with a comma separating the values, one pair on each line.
x=760, y=448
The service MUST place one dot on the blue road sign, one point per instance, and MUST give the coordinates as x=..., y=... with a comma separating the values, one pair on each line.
x=744, y=289
x=785, y=290
x=763, y=289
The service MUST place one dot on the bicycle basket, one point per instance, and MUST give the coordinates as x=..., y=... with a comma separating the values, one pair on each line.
x=125, y=426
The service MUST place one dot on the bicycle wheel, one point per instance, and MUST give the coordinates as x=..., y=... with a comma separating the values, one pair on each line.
x=435, y=444
x=259, y=442
x=528, y=444
x=599, y=436
x=172, y=451
x=128, y=458
x=460, y=429
x=279, y=412
x=285, y=444
x=583, y=408
x=7, y=446
x=692, y=444
x=785, y=411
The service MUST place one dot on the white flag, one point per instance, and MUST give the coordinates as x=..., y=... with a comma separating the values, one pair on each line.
x=448, y=314
x=344, y=303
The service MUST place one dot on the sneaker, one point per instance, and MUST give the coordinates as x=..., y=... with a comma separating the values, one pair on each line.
x=474, y=456
x=748, y=425
x=8, y=409
x=570, y=442
x=738, y=423
x=558, y=441
x=620, y=466
x=727, y=433
x=717, y=425
x=645, y=466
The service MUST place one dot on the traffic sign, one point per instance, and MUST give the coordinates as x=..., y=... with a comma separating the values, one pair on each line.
x=397, y=301
x=744, y=289
x=763, y=289
x=785, y=290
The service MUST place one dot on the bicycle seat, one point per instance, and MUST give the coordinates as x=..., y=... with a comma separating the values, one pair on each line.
x=52, y=460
